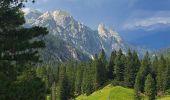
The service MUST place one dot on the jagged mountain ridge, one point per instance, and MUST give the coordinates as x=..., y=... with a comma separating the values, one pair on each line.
x=63, y=26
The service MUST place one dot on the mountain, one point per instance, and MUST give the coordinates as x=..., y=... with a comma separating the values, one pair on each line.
x=69, y=38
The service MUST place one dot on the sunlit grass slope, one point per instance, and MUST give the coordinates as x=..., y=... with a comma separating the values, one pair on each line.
x=110, y=93
x=113, y=93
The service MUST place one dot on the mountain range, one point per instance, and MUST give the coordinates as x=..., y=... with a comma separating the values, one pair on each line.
x=70, y=39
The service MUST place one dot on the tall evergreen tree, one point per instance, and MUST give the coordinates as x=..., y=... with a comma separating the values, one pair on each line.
x=110, y=66
x=19, y=46
x=100, y=67
x=64, y=86
x=155, y=64
x=144, y=70
x=87, y=83
x=120, y=66
x=132, y=67
x=150, y=87
x=166, y=77
x=160, y=73
x=79, y=79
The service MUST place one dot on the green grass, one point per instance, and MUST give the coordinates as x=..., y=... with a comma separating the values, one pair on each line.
x=110, y=93
x=113, y=93
x=165, y=98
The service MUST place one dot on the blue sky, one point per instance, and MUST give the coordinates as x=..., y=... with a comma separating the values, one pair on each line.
x=134, y=19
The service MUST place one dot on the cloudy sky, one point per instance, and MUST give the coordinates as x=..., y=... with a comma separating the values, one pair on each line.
x=134, y=19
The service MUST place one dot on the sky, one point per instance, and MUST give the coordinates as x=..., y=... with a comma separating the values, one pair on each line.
x=134, y=19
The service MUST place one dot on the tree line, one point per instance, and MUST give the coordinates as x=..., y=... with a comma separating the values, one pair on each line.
x=148, y=76
x=22, y=77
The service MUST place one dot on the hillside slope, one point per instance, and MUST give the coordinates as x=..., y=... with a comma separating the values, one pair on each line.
x=110, y=93
x=113, y=93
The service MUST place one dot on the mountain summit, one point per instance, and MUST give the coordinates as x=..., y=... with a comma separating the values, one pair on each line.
x=106, y=33
x=75, y=36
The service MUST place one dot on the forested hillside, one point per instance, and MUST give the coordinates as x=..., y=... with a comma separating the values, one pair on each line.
x=148, y=77
x=27, y=72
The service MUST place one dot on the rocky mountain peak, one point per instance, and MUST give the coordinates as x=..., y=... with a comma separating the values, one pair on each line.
x=46, y=15
x=83, y=39
x=106, y=33
x=102, y=30
x=61, y=13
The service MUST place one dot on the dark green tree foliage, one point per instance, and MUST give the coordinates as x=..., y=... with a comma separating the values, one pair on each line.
x=120, y=66
x=71, y=76
x=79, y=79
x=160, y=73
x=29, y=87
x=64, y=87
x=137, y=87
x=155, y=64
x=166, y=77
x=19, y=48
x=144, y=70
x=7, y=76
x=110, y=66
x=100, y=65
x=50, y=76
x=87, y=83
x=150, y=87
x=132, y=67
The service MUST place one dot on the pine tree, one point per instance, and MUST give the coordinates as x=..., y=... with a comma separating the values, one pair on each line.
x=120, y=66
x=160, y=70
x=87, y=83
x=64, y=86
x=155, y=64
x=79, y=79
x=137, y=87
x=166, y=77
x=132, y=67
x=144, y=70
x=102, y=57
x=19, y=47
x=100, y=67
x=150, y=87
x=7, y=76
x=110, y=67
x=71, y=76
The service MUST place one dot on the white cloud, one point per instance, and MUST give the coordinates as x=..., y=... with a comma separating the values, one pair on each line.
x=147, y=22
x=26, y=10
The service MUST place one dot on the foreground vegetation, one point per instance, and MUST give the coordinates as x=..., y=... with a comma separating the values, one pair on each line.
x=19, y=54
x=23, y=76
x=110, y=93
x=148, y=77
x=114, y=93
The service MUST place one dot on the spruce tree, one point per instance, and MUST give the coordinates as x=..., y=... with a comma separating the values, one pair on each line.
x=64, y=86
x=100, y=67
x=120, y=66
x=150, y=87
x=137, y=87
x=79, y=79
x=166, y=77
x=144, y=70
x=87, y=83
x=132, y=66
x=160, y=73
x=110, y=66
x=19, y=47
